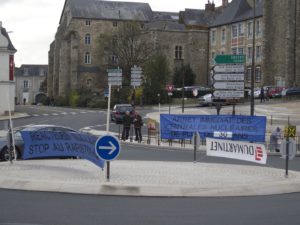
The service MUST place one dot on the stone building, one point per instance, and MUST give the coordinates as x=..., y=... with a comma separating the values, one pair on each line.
x=75, y=60
x=7, y=80
x=29, y=83
x=282, y=42
x=232, y=33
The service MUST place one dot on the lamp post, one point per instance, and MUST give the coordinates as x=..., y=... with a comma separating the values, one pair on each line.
x=253, y=62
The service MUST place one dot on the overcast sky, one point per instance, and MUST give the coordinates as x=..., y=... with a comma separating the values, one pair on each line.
x=33, y=23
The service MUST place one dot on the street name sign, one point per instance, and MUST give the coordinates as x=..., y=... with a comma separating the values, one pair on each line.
x=228, y=94
x=136, y=76
x=229, y=77
x=107, y=147
x=224, y=68
x=230, y=59
x=229, y=85
x=114, y=77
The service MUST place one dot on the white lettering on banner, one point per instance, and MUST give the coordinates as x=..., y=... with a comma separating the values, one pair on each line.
x=236, y=150
x=223, y=134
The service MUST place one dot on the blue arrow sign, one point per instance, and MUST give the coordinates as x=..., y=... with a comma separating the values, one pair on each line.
x=108, y=147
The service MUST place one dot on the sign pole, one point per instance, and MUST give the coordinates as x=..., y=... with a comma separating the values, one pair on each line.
x=107, y=129
x=107, y=170
x=195, y=146
x=287, y=153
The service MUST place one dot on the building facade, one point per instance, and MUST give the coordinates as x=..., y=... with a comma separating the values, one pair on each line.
x=30, y=83
x=75, y=60
x=232, y=33
x=282, y=51
x=7, y=80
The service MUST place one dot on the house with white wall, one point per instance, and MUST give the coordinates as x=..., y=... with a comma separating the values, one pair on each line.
x=7, y=81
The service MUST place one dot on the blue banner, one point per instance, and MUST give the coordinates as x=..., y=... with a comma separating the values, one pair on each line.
x=43, y=144
x=241, y=128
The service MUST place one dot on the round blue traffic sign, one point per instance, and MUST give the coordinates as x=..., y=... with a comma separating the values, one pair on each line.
x=107, y=147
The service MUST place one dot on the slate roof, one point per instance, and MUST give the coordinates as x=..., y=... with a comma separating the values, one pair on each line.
x=165, y=25
x=165, y=16
x=10, y=45
x=237, y=11
x=198, y=17
x=33, y=70
x=110, y=10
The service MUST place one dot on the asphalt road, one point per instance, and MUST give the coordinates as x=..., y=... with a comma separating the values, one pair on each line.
x=21, y=207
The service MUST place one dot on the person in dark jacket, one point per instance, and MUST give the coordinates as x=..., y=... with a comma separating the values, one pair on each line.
x=126, y=125
x=138, y=123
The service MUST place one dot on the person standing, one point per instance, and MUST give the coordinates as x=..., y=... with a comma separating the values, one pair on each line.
x=126, y=126
x=138, y=123
x=274, y=138
x=262, y=94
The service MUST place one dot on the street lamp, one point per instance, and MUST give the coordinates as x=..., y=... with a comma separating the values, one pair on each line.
x=253, y=62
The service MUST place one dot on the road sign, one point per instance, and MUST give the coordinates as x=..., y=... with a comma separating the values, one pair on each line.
x=229, y=68
x=229, y=85
x=230, y=59
x=292, y=149
x=169, y=87
x=290, y=131
x=114, y=77
x=227, y=94
x=229, y=77
x=107, y=147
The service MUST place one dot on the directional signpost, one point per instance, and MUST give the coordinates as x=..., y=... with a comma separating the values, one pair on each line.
x=136, y=76
x=228, y=77
x=108, y=148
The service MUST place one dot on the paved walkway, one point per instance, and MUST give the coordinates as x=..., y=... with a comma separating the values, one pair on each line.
x=146, y=178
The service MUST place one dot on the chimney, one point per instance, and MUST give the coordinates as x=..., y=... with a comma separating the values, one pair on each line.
x=224, y=3
x=210, y=6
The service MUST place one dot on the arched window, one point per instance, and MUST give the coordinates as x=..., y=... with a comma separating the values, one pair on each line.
x=87, y=39
x=87, y=58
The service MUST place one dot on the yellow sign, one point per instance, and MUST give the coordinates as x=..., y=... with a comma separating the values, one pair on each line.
x=290, y=131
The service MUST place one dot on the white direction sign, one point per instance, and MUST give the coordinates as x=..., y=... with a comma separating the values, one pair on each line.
x=229, y=85
x=229, y=77
x=229, y=68
x=114, y=77
x=227, y=94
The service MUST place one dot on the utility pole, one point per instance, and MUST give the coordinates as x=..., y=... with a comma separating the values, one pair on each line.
x=253, y=62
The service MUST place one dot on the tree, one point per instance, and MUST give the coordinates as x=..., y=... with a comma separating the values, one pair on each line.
x=187, y=72
x=156, y=73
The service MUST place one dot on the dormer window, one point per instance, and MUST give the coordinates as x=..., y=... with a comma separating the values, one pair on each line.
x=42, y=72
x=88, y=23
x=115, y=23
x=25, y=72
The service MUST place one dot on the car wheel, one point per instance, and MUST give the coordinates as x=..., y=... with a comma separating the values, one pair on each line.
x=4, y=154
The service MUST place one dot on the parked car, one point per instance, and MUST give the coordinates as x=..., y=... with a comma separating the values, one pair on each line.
x=19, y=143
x=118, y=112
x=294, y=91
x=205, y=100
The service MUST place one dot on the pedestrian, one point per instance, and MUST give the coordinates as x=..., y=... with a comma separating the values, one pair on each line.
x=275, y=136
x=24, y=101
x=262, y=94
x=138, y=123
x=126, y=126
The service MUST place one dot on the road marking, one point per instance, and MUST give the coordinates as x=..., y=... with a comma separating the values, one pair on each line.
x=54, y=114
x=45, y=114
x=73, y=113
x=35, y=115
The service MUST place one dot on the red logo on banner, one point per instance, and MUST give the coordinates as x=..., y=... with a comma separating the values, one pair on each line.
x=169, y=87
x=11, y=67
x=258, y=154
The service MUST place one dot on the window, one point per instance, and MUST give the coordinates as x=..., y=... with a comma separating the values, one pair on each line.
x=87, y=58
x=114, y=60
x=250, y=29
x=234, y=31
x=142, y=26
x=241, y=51
x=26, y=84
x=234, y=51
x=249, y=74
x=241, y=29
x=115, y=23
x=249, y=55
x=88, y=23
x=258, y=74
x=89, y=83
x=258, y=52
x=258, y=28
x=213, y=37
x=223, y=37
x=178, y=52
x=87, y=39
x=42, y=72
x=26, y=72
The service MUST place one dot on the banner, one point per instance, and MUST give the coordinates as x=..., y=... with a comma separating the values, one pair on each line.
x=242, y=128
x=236, y=150
x=45, y=144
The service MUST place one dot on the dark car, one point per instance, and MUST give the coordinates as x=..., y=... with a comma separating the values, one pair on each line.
x=119, y=111
x=18, y=140
x=293, y=91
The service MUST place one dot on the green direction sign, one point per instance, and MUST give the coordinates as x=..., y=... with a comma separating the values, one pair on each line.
x=230, y=59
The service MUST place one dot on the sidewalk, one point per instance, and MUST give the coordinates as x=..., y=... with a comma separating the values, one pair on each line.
x=16, y=115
